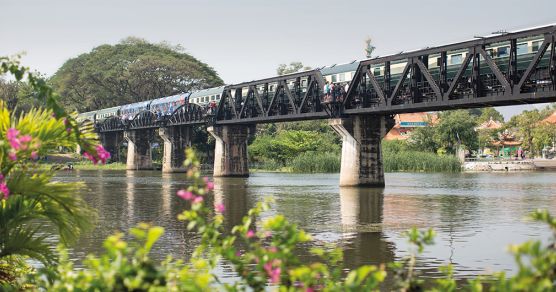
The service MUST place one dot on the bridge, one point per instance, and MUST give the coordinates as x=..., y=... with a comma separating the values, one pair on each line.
x=502, y=69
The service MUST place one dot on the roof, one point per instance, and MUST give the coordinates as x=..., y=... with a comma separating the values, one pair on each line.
x=137, y=104
x=107, y=110
x=208, y=91
x=490, y=124
x=551, y=119
x=341, y=68
x=172, y=98
x=412, y=120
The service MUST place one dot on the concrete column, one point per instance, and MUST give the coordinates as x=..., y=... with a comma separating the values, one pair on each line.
x=361, y=149
x=230, y=153
x=139, y=154
x=176, y=139
x=112, y=142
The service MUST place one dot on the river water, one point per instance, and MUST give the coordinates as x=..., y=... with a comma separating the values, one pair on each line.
x=476, y=215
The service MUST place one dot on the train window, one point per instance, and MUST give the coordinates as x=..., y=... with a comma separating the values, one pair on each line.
x=502, y=51
x=490, y=52
x=376, y=71
x=456, y=59
x=535, y=46
x=522, y=49
x=334, y=78
x=218, y=96
x=341, y=77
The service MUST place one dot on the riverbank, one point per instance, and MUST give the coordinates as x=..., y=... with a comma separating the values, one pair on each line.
x=510, y=165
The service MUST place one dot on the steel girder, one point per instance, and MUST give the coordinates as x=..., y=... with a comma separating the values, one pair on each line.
x=112, y=124
x=187, y=114
x=290, y=97
x=481, y=79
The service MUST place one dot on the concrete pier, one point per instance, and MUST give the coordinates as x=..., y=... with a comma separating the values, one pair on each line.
x=112, y=142
x=230, y=153
x=139, y=154
x=361, y=163
x=176, y=139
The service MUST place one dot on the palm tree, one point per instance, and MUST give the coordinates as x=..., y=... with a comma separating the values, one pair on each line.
x=34, y=200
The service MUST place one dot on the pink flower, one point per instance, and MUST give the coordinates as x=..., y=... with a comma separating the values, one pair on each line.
x=12, y=134
x=90, y=157
x=186, y=195
x=220, y=208
x=198, y=199
x=238, y=253
x=102, y=154
x=25, y=139
x=309, y=289
x=4, y=187
x=250, y=233
x=68, y=130
x=12, y=156
x=272, y=272
x=210, y=186
x=273, y=249
x=34, y=155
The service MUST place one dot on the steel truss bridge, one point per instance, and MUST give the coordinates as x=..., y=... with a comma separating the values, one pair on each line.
x=426, y=83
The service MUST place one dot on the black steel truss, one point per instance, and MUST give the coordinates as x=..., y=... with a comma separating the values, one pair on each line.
x=480, y=79
x=188, y=114
x=295, y=96
x=421, y=80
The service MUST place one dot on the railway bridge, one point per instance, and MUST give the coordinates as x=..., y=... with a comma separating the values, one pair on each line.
x=416, y=81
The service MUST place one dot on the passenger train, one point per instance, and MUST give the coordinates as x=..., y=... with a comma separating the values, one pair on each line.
x=338, y=74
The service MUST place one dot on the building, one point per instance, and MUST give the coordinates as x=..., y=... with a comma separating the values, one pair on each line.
x=406, y=123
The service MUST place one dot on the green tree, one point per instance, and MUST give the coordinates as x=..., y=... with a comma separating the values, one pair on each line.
x=422, y=139
x=489, y=112
x=543, y=135
x=456, y=128
x=293, y=67
x=523, y=125
x=130, y=71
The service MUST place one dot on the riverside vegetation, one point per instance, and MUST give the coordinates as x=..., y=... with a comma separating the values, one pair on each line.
x=262, y=250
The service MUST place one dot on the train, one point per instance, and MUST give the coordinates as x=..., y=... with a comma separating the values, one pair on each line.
x=337, y=74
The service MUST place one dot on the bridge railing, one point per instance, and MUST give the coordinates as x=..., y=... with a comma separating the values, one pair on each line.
x=495, y=70
x=295, y=96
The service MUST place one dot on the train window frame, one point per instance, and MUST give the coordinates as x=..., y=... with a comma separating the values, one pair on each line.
x=520, y=48
x=458, y=59
x=535, y=46
x=342, y=77
x=334, y=78
x=503, y=52
x=376, y=71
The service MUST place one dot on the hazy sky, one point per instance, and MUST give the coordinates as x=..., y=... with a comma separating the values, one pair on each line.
x=246, y=39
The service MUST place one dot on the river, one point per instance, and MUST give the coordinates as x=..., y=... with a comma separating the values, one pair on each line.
x=476, y=215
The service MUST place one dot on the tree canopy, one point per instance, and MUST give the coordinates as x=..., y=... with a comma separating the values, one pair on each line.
x=293, y=67
x=131, y=71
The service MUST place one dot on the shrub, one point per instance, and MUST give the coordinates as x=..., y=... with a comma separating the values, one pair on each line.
x=315, y=162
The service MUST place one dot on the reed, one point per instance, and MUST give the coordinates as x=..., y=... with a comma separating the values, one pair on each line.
x=415, y=161
x=315, y=162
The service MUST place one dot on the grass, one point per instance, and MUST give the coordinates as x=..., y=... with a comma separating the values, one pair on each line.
x=85, y=165
x=415, y=161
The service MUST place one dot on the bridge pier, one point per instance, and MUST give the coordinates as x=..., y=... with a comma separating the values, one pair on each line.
x=176, y=139
x=361, y=163
x=111, y=142
x=139, y=154
x=230, y=153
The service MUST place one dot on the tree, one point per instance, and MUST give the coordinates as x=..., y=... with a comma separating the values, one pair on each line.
x=17, y=96
x=456, y=128
x=543, y=135
x=523, y=125
x=489, y=112
x=422, y=139
x=131, y=71
x=293, y=67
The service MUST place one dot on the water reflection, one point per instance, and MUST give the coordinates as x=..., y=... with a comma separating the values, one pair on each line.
x=232, y=192
x=362, y=215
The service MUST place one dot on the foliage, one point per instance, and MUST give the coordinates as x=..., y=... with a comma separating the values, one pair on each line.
x=130, y=71
x=456, y=128
x=29, y=200
x=286, y=145
x=488, y=113
x=293, y=67
x=315, y=162
x=17, y=96
x=522, y=125
x=543, y=134
x=262, y=253
x=423, y=139
x=412, y=161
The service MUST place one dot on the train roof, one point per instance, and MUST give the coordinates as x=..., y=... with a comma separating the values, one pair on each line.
x=172, y=98
x=340, y=68
x=107, y=110
x=137, y=104
x=208, y=91
x=86, y=115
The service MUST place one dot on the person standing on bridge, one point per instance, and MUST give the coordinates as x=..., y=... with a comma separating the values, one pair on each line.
x=326, y=92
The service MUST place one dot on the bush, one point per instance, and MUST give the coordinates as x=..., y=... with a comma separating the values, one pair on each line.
x=315, y=162
x=412, y=161
x=262, y=253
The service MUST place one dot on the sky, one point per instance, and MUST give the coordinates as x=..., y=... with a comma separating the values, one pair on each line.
x=246, y=40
